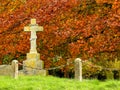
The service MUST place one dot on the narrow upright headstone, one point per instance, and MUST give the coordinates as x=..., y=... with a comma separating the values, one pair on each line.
x=15, y=68
x=33, y=64
x=78, y=69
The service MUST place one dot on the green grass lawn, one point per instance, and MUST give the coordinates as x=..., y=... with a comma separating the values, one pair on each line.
x=53, y=83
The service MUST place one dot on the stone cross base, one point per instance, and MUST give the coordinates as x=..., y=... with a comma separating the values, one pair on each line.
x=33, y=72
x=33, y=65
x=31, y=56
x=33, y=61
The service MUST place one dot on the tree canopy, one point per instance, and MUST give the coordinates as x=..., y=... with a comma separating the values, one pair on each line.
x=72, y=28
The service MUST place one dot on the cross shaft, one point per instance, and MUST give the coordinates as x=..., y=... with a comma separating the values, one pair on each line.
x=33, y=27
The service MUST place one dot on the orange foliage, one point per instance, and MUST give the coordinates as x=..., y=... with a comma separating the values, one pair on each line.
x=67, y=32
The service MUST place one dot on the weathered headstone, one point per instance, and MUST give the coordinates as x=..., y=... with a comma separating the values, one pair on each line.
x=10, y=70
x=6, y=70
x=33, y=65
x=78, y=69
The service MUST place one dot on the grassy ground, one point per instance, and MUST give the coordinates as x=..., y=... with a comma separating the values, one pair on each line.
x=53, y=83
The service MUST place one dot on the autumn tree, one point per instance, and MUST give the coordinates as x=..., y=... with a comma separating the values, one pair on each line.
x=72, y=28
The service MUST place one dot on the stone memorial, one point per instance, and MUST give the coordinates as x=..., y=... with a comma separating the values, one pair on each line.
x=78, y=69
x=33, y=65
x=10, y=70
x=15, y=68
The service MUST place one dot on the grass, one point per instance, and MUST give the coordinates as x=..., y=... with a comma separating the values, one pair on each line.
x=54, y=83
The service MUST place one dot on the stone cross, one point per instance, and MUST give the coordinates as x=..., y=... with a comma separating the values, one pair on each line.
x=33, y=27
